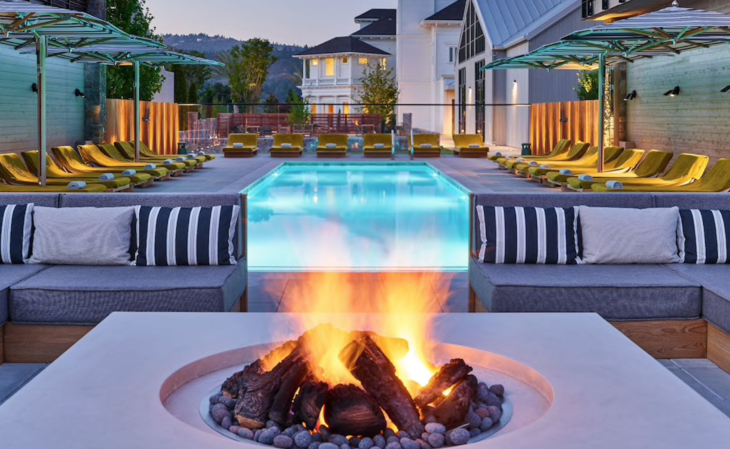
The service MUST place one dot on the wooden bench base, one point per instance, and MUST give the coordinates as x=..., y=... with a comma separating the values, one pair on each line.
x=718, y=348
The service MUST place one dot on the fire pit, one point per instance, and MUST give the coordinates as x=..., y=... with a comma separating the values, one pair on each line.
x=332, y=389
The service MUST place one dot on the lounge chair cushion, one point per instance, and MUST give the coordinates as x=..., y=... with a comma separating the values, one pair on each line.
x=715, y=281
x=87, y=295
x=616, y=292
x=16, y=226
x=699, y=242
x=9, y=275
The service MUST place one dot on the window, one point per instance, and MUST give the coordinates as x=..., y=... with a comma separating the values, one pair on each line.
x=329, y=70
x=452, y=54
x=347, y=108
x=384, y=63
x=307, y=69
x=481, y=96
x=363, y=61
x=462, y=101
x=587, y=8
x=315, y=62
x=345, y=60
x=472, y=41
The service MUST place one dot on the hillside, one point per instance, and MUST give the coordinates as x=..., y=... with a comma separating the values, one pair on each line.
x=284, y=74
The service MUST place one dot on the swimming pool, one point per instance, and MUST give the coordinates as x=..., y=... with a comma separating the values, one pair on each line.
x=357, y=217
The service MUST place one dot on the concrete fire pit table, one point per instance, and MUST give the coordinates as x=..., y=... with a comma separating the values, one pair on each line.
x=137, y=380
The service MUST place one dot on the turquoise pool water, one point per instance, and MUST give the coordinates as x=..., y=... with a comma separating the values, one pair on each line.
x=357, y=217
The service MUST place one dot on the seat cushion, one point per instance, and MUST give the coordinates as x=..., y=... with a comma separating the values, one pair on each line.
x=87, y=295
x=9, y=275
x=616, y=292
x=715, y=280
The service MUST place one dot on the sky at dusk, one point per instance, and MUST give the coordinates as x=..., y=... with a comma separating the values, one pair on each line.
x=302, y=22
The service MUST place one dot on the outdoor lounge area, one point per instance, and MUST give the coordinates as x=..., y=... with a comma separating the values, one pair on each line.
x=502, y=267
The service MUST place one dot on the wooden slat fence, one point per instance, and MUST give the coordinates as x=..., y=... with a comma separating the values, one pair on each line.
x=322, y=123
x=160, y=133
x=551, y=122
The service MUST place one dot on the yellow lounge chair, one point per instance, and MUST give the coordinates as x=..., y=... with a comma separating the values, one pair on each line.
x=72, y=163
x=426, y=145
x=653, y=164
x=90, y=188
x=287, y=145
x=470, y=145
x=588, y=161
x=628, y=160
x=332, y=145
x=32, y=160
x=561, y=147
x=242, y=145
x=576, y=152
x=112, y=152
x=687, y=169
x=378, y=145
x=14, y=172
x=127, y=152
x=92, y=154
x=145, y=151
x=717, y=180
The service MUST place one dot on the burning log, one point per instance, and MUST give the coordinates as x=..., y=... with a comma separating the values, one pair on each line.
x=367, y=362
x=259, y=391
x=394, y=348
x=351, y=411
x=233, y=385
x=452, y=411
x=282, y=404
x=448, y=376
x=309, y=402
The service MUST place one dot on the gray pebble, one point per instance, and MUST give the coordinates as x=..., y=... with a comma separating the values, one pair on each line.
x=436, y=440
x=215, y=398
x=267, y=437
x=289, y=432
x=483, y=385
x=217, y=406
x=275, y=430
x=493, y=399
x=435, y=428
x=337, y=440
x=403, y=434
x=355, y=442
x=245, y=433
x=230, y=403
x=270, y=424
x=495, y=413
x=227, y=423
x=424, y=436
x=389, y=433
x=487, y=424
x=298, y=428
x=393, y=446
x=393, y=439
x=257, y=435
x=325, y=431
x=475, y=432
x=303, y=438
x=459, y=436
x=497, y=389
x=422, y=444
x=234, y=428
x=430, y=419
x=482, y=394
x=366, y=443
x=283, y=442
x=220, y=414
x=317, y=437
x=328, y=446
x=314, y=445
x=345, y=446
x=473, y=420
x=407, y=443
x=482, y=413
x=379, y=441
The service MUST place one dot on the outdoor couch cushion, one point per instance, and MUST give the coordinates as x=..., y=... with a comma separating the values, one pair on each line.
x=715, y=281
x=9, y=275
x=616, y=292
x=704, y=236
x=45, y=199
x=16, y=229
x=87, y=295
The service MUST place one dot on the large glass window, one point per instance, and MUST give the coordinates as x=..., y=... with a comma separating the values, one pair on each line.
x=307, y=69
x=329, y=64
x=481, y=96
x=462, y=101
x=472, y=41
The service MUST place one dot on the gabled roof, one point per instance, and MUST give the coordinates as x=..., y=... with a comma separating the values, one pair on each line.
x=506, y=21
x=377, y=14
x=383, y=27
x=452, y=13
x=343, y=45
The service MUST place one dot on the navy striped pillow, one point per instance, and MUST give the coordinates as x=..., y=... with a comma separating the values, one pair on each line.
x=705, y=236
x=16, y=228
x=186, y=236
x=527, y=235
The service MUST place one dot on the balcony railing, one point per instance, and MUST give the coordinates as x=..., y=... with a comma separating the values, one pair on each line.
x=327, y=82
x=76, y=5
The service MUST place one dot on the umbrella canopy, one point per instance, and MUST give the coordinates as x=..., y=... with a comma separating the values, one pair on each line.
x=24, y=25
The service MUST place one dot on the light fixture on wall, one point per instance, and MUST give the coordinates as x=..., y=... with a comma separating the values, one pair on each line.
x=34, y=87
x=673, y=93
x=726, y=90
x=78, y=93
x=630, y=96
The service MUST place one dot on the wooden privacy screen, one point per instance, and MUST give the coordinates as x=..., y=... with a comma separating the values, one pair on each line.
x=552, y=122
x=160, y=132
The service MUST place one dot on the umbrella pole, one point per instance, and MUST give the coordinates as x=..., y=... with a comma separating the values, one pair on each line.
x=601, y=110
x=137, y=115
x=41, y=50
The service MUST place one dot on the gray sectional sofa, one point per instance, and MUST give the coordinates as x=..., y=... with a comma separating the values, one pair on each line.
x=664, y=308
x=45, y=309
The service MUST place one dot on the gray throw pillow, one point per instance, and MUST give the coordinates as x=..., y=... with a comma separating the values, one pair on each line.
x=629, y=236
x=82, y=236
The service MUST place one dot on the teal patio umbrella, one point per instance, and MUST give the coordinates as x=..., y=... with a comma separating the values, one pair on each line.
x=26, y=25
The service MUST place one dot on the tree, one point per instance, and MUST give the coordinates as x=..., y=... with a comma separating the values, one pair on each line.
x=193, y=93
x=300, y=113
x=379, y=93
x=587, y=86
x=181, y=88
x=218, y=93
x=249, y=67
x=272, y=104
x=133, y=17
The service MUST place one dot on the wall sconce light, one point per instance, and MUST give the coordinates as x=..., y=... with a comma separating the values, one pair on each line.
x=34, y=87
x=673, y=93
x=726, y=90
x=630, y=96
x=78, y=93
x=514, y=81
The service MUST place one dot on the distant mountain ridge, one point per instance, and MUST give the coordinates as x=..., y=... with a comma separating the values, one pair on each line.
x=284, y=75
